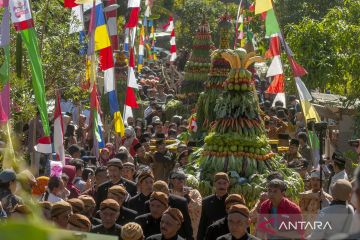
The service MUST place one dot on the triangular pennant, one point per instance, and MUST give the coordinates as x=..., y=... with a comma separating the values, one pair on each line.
x=131, y=98
x=275, y=67
x=132, y=79
x=262, y=6
x=271, y=24
x=298, y=70
x=277, y=85
x=279, y=97
x=134, y=17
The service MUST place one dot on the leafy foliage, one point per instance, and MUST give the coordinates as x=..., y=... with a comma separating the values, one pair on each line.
x=329, y=49
x=294, y=11
x=62, y=64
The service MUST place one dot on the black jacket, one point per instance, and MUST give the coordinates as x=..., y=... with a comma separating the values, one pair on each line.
x=160, y=237
x=180, y=203
x=217, y=229
x=114, y=230
x=126, y=215
x=137, y=203
x=149, y=225
x=102, y=191
x=95, y=221
x=230, y=237
x=213, y=209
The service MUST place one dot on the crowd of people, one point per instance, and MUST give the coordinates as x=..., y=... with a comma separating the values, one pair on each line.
x=137, y=187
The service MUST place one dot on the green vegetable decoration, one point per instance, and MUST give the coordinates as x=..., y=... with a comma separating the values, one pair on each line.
x=197, y=68
x=218, y=73
x=238, y=143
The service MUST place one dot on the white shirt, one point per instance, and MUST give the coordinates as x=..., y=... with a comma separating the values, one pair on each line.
x=52, y=198
x=147, y=111
x=337, y=176
x=340, y=218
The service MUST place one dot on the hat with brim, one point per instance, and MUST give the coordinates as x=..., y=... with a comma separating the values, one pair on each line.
x=110, y=204
x=161, y=197
x=221, y=175
x=175, y=214
x=7, y=175
x=80, y=221
x=115, y=162
x=241, y=209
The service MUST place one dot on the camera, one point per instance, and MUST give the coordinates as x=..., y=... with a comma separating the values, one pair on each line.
x=321, y=126
x=353, y=143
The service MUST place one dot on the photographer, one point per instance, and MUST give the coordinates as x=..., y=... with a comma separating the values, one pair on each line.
x=338, y=164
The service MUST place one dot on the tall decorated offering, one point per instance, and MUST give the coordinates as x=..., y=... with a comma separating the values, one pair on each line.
x=218, y=73
x=238, y=143
x=198, y=66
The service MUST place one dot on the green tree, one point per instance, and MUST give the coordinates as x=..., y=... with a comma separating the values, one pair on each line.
x=63, y=67
x=294, y=11
x=329, y=49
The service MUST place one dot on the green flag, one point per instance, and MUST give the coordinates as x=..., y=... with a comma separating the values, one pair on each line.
x=30, y=40
x=271, y=23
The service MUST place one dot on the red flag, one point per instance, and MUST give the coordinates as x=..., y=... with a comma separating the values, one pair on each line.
x=93, y=98
x=274, y=45
x=70, y=3
x=298, y=70
x=132, y=58
x=131, y=98
x=134, y=18
x=44, y=145
x=106, y=59
x=277, y=85
x=168, y=24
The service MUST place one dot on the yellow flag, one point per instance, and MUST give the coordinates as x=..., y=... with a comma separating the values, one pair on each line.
x=119, y=124
x=310, y=112
x=262, y=6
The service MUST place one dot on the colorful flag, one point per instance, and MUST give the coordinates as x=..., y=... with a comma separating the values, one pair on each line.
x=239, y=26
x=279, y=97
x=94, y=106
x=44, y=145
x=101, y=34
x=23, y=22
x=193, y=125
x=70, y=3
x=59, y=133
x=141, y=48
x=275, y=67
x=309, y=110
x=111, y=16
x=130, y=99
x=262, y=6
x=170, y=27
x=5, y=28
x=297, y=69
x=4, y=69
x=277, y=85
x=76, y=20
x=271, y=24
x=5, y=104
x=148, y=4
